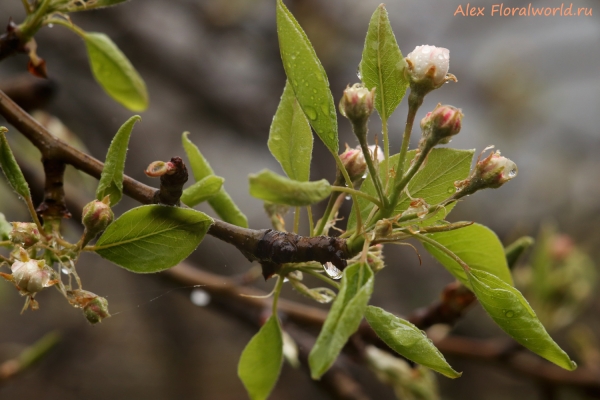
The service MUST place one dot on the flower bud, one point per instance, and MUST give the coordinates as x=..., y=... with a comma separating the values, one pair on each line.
x=31, y=276
x=96, y=310
x=354, y=162
x=357, y=103
x=491, y=172
x=25, y=234
x=97, y=215
x=441, y=124
x=427, y=68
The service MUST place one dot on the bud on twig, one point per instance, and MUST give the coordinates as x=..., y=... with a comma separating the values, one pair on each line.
x=25, y=234
x=357, y=104
x=427, y=68
x=97, y=215
x=30, y=276
x=440, y=125
x=95, y=308
x=354, y=162
x=491, y=172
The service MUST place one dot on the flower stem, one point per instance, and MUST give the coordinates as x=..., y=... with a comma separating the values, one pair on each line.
x=414, y=102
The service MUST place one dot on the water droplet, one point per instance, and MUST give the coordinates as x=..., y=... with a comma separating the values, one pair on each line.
x=310, y=113
x=458, y=189
x=364, y=176
x=451, y=189
x=512, y=173
x=50, y=25
x=325, y=109
x=200, y=297
x=509, y=314
x=64, y=271
x=347, y=197
x=358, y=73
x=332, y=271
x=306, y=84
x=315, y=91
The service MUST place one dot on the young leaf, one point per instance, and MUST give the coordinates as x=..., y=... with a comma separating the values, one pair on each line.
x=381, y=65
x=477, y=246
x=261, y=360
x=91, y=5
x=343, y=319
x=111, y=180
x=202, y=190
x=408, y=341
x=220, y=202
x=509, y=309
x=5, y=228
x=153, y=238
x=434, y=182
x=11, y=169
x=114, y=72
x=268, y=186
x=290, y=137
x=307, y=77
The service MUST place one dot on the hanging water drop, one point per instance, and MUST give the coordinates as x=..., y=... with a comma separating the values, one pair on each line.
x=200, y=297
x=332, y=271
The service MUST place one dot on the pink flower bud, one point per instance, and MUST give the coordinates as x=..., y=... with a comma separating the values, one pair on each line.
x=441, y=124
x=25, y=234
x=491, y=172
x=427, y=67
x=357, y=103
x=354, y=162
x=97, y=215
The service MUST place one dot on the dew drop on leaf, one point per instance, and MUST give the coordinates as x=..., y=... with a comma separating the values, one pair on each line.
x=311, y=113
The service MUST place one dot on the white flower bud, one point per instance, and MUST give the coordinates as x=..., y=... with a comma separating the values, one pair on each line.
x=30, y=276
x=427, y=67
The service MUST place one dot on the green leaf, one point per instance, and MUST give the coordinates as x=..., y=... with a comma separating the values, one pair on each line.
x=268, y=186
x=307, y=77
x=509, y=309
x=515, y=250
x=11, y=169
x=5, y=228
x=382, y=66
x=290, y=137
x=343, y=319
x=261, y=360
x=202, y=190
x=114, y=72
x=78, y=6
x=220, y=202
x=478, y=246
x=111, y=180
x=434, y=182
x=153, y=238
x=408, y=341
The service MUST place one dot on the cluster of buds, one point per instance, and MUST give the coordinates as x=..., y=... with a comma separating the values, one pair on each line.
x=427, y=68
x=357, y=104
x=439, y=125
x=24, y=234
x=489, y=173
x=97, y=215
x=95, y=308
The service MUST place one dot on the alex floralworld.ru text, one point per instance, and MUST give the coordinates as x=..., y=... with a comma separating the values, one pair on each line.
x=499, y=10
